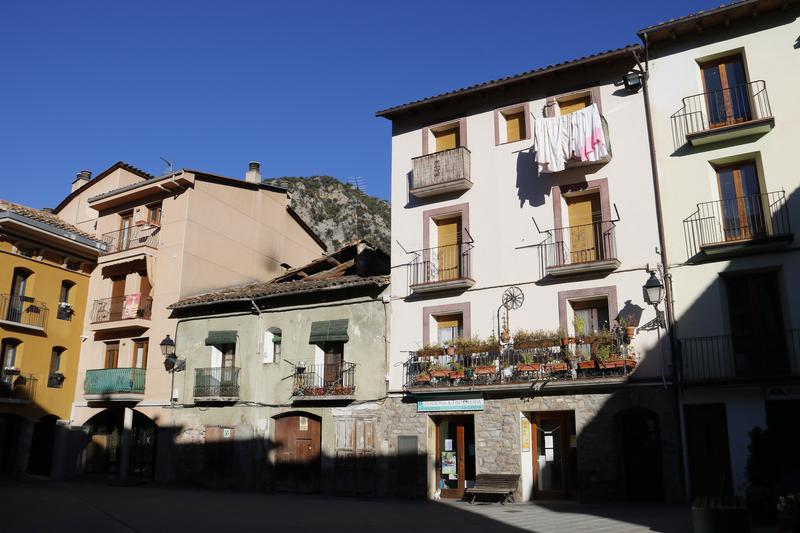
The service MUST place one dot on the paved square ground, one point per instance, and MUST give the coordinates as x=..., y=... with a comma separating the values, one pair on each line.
x=33, y=506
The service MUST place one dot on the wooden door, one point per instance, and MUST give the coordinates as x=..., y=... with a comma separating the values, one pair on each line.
x=741, y=210
x=117, y=303
x=125, y=229
x=707, y=446
x=140, y=348
x=334, y=357
x=551, y=467
x=449, y=248
x=16, y=305
x=298, y=445
x=584, y=214
x=758, y=339
x=727, y=91
x=355, y=455
x=112, y=354
x=455, y=459
x=447, y=139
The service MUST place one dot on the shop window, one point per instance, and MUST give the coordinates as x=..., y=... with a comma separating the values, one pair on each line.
x=55, y=379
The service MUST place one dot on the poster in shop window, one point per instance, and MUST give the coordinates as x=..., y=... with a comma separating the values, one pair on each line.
x=525, y=428
x=448, y=463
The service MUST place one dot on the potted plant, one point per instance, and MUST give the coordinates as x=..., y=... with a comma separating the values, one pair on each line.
x=572, y=360
x=431, y=349
x=527, y=365
x=483, y=370
x=564, y=336
x=579, y=326
x=438, y=371
x=627, y=326
x=456, y=371
x=450, y=347
x=422, y=377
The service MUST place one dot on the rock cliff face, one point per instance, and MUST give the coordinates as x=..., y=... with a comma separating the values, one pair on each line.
x=338, y=212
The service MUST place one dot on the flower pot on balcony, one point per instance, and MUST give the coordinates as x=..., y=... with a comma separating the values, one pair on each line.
x=528, y=367
x=440, y=373
x=456, y=374
x=422, y=378
x=586, y=365
x=485, y=369
x=630, y=331
x=469, y=373
x=558, y=367
x=451, y=350
x=565, y=341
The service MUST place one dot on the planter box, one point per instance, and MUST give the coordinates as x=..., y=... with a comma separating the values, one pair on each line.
x=544, y=343
x=529, y=367
x=440, y=373
x=456, y=374
x=423, y=378
x=484, y=370
x=584, y=365
x=558, y=367
x=611, y=363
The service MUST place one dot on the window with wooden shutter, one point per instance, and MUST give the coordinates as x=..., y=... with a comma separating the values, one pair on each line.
x=448, y=138
x=570, y=105
x=515, y=126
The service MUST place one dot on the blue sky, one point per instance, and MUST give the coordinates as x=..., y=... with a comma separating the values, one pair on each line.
x=211, y=85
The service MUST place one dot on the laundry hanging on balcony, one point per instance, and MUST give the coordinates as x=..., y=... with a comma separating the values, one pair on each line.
x=577, y=135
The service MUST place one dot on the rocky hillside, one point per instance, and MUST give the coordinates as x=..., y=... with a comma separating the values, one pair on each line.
x=333, y=208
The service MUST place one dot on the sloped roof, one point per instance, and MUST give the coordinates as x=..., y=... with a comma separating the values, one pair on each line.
x=337, y=270
x=488, y=85
x=43, y=216
x=119, y=164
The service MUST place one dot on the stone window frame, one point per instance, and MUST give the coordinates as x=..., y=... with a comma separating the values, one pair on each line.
x=442, y=212
x=593, y=92
x=446, y=309
x=565, y=298
x=462, y=133
x=499, y=115
x=557, y=193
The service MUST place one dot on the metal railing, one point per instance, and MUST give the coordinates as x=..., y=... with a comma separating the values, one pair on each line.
x=217, y=382
x=17, y=386
x=573, y=245
x=510, y=366
x=329, y=379
x=114, y=381
x=756, y=216
x=23, y=310
x=722, y=357
x=131, y=237
x=715, y=109
x=126, y=307
x=440, y=168
x=441, y=264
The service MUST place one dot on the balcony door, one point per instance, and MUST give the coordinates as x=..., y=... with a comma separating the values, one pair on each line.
x=447, y=139
x=551, y=454
x=455, y=455
x=140, y=349
x=585, y=217
x=112, y=355
x=117, y=303
x=727, y=91
x=740, y=199
x=334, y=359
x=758, y=339
x=125, y=229
x=448, y=261
x=16, y=304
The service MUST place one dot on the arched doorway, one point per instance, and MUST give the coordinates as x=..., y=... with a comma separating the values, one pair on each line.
x=298, y=459
x=640, y=436
x=104, y=451
x=42, y=443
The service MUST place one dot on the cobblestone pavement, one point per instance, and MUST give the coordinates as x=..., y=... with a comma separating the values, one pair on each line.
x=33, y=506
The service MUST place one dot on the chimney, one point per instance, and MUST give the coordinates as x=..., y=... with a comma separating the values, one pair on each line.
x=81, y=178
x=253, y=174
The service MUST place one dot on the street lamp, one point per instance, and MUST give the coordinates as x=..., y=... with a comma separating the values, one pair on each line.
x=653, y=290
x=168, y=351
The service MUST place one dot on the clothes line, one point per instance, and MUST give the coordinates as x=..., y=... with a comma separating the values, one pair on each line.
x=578, y=135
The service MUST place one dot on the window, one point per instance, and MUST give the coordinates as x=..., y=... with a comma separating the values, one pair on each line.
x=272, y=346
x=740, y=197
x=125, y=229
x=449, y=327
x=589, y=317
x=17, y=298
x=726, y=90
x=571, y=104
x=512, y=124
x=8, y=359
x=223, y=355
x=65, y=310
x=154, y=215
x=334, y=360
x=55, y=378
x=585, y=217
x=447, y=137
x=112, y=354
x=140, y=348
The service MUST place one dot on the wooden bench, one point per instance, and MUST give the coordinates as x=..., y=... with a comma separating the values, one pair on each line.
x=497, y=484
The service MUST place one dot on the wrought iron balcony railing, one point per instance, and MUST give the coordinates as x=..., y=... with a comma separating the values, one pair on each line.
x=736, y=357
x=217, y=382
x=128, y=307
x=753, y=217
x=329, y=379
x=17, y=386
x=107, y=381
x=578, y=245
x=131, y=237
x=441, y=172
x=736, y=105
x=442, y=264
x=23, y=310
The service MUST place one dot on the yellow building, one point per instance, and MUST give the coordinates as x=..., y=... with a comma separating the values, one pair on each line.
x=45, y=265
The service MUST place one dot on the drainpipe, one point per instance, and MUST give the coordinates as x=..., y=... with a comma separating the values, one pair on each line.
x=669, y=301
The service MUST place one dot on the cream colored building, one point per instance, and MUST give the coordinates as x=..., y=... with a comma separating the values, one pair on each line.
x=166, y=238
x=723, y=88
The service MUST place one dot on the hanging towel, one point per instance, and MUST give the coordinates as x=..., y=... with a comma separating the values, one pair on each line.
x=551, y=139
x=588, y=130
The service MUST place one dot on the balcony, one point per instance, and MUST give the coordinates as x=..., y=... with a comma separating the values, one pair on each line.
x=118, y=312
x=23, y=312
x=514, y=368
x=218, y=384
x=334, y=381
x=737, y=225
x=121, y=384
x=441, y=172
x=716, y=116
x=441, y=268
x=142, y=236
x=721, y=358
x=576, y=250
x=16, y=387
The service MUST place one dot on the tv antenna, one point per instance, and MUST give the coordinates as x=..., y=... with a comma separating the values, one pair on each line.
x=168, y=163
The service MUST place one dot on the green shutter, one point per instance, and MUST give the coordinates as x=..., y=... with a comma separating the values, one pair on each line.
x=329, y=331
x=221, y=337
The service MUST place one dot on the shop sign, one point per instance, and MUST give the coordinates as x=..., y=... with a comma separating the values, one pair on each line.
x=461, y=404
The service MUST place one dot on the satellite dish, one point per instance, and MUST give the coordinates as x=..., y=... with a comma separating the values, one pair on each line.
x=513, y=298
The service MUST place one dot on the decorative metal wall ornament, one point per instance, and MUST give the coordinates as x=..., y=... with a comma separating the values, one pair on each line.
x=513, y=298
